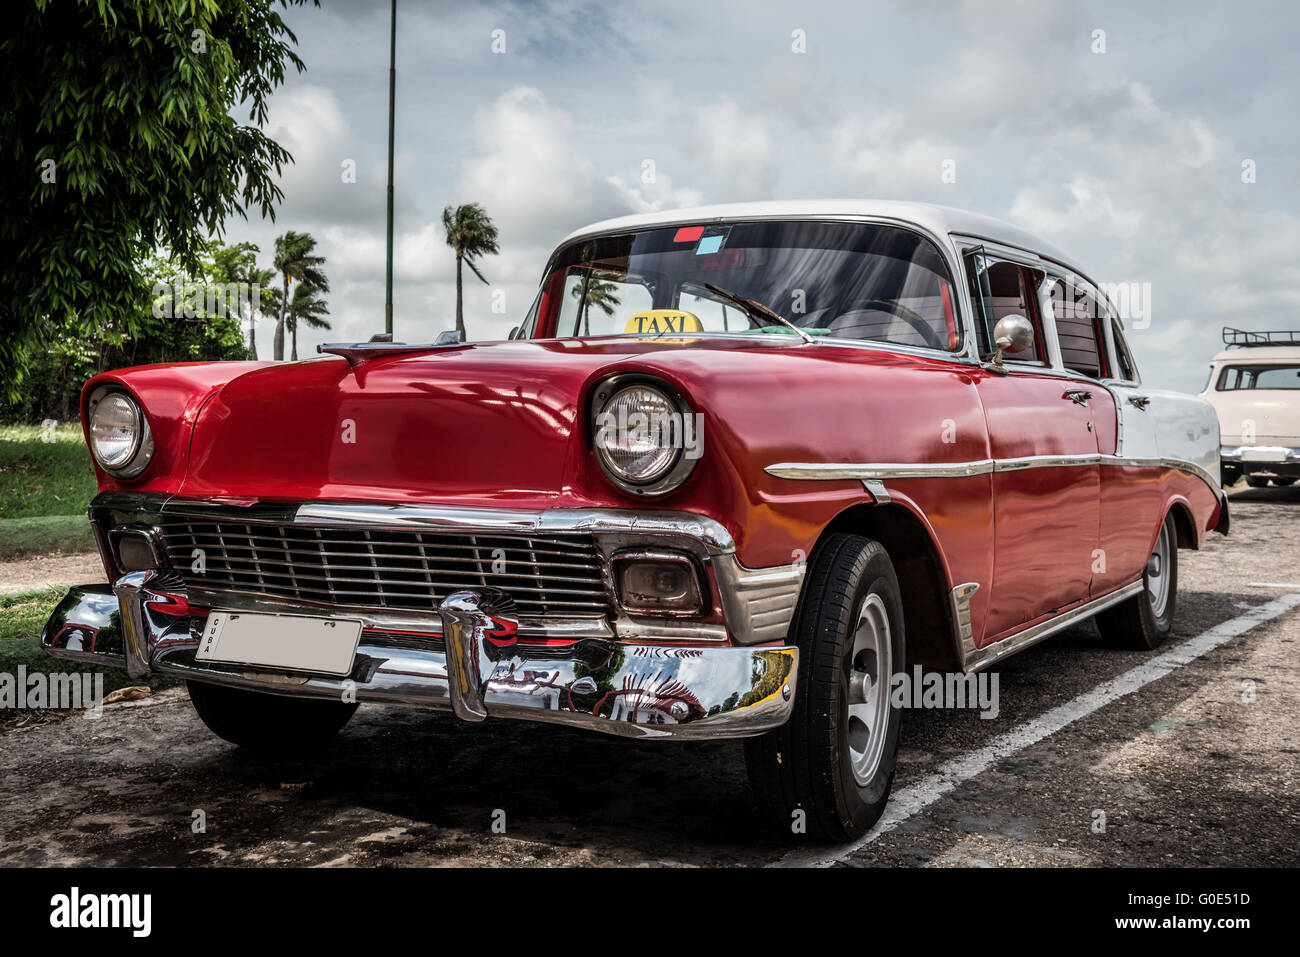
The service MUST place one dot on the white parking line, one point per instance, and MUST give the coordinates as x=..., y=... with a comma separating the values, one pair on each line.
x=1274, y=584
x=912, y=800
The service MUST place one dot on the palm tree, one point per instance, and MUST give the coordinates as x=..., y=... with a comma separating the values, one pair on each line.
x=307, y=307
x=470, y=232
x=294, y=259
x=594, y=292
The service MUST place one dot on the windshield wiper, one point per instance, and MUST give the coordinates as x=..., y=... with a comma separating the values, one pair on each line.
x=756, y=309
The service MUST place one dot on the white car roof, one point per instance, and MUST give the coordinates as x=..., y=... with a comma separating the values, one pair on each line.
x=1246, y=354
x=941, y=220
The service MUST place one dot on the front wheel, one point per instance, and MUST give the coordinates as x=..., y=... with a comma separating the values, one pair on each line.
x=1144, y=621
x=1257, y=481
x=834, y=759
x=267, y=722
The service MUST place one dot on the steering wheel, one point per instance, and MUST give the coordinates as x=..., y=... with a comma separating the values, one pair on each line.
x=910, y=316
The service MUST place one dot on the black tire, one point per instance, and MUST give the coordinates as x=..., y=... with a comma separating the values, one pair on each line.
x=1257, y=481
x=1284, y=482
x=1134, y=623
x=267, y=722
x=805, y=764
x=1229, y=475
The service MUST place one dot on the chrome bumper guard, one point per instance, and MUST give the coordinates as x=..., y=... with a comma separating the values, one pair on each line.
x=477, y=668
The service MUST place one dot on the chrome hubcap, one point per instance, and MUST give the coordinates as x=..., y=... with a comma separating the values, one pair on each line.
x=1158, y=573
x=870, y=665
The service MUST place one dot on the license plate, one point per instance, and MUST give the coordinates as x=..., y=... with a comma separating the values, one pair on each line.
x=290, y=642
x=1263, y=454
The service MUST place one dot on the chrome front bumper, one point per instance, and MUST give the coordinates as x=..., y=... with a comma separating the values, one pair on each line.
x=477, y=667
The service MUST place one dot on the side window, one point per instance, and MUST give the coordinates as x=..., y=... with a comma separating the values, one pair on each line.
x=1127, y=371
x=1001, y=288
x=595, y=303
x=1078, y=328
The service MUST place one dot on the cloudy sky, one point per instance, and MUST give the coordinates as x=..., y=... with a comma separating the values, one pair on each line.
x=1131, y=158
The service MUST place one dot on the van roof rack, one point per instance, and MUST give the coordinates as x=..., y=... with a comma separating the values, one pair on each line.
x=1240, y=337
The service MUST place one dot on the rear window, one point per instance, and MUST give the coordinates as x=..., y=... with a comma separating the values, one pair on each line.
x=1233, y=378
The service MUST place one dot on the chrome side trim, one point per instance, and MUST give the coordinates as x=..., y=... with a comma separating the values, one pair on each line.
x=759, y=602
x=863, y=472
x=979, y=659
x=827, y=471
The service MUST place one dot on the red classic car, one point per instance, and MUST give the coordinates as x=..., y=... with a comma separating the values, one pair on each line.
x=738, y=468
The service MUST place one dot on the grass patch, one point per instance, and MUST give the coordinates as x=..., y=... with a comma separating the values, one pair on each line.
x=21, y=618
x=44, y=473
x=20, y=537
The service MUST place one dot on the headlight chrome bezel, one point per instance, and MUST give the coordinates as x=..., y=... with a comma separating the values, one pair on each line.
x=663, y=481
x=142, y=446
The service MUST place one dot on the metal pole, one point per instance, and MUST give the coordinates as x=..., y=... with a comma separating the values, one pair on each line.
x=392, y=96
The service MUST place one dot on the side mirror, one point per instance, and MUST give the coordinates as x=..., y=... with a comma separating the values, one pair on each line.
x=1012, y=333
x=448, y=337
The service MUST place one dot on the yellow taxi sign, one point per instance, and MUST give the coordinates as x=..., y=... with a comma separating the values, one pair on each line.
x=655, y=321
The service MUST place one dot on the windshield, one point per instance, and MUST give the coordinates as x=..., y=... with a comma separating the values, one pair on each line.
x=842, y=280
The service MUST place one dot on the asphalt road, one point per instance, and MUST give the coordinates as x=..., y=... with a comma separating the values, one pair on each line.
x=1199, y=765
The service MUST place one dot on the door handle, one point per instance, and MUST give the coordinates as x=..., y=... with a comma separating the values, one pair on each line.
x=1078, y=396
x=1139, y=401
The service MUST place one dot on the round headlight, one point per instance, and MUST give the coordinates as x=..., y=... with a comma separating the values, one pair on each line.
x=119, y=434
x=645, y=438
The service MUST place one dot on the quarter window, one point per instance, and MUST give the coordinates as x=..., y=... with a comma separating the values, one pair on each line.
x=1001, y=288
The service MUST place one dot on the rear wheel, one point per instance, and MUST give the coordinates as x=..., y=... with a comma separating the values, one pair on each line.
x=1283, y=482
x=267, y=722
x=1145, y=620
x=834, y=759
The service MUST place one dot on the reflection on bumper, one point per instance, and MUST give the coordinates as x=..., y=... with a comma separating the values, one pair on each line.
x=476, y=668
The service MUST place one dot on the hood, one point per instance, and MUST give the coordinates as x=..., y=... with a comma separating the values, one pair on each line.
x=469, y=424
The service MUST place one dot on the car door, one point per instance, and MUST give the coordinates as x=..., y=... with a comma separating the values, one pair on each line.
x=1131, y=495
x=1043, y=443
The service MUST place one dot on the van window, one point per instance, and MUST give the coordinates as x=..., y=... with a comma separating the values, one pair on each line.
x=1259, y=377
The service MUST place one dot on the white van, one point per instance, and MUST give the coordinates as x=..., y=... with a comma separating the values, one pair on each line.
x=1255, y=388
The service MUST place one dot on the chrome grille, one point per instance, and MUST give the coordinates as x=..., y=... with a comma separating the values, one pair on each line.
x=412, y=570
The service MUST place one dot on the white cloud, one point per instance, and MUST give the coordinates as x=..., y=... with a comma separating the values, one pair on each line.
x=1131, y=159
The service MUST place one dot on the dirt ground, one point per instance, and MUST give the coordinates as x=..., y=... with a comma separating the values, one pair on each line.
x=1199, y=767
x=28, y=574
